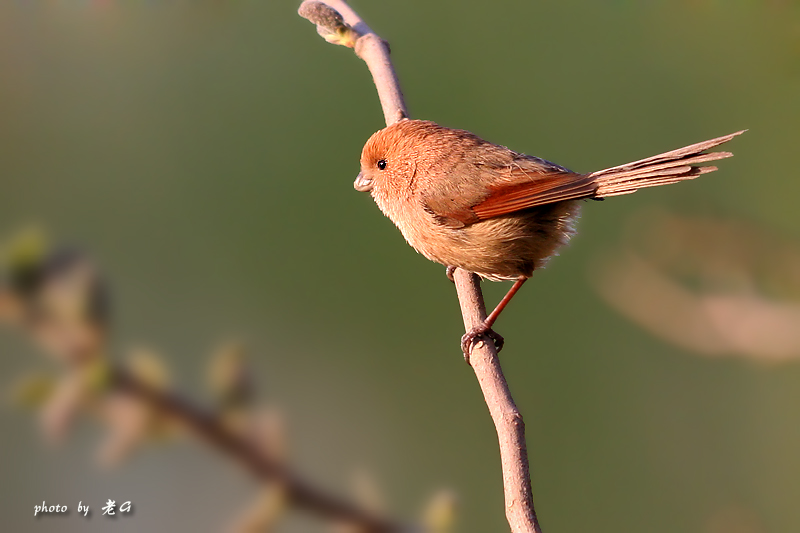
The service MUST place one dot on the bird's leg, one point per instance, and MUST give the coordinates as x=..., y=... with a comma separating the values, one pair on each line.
x=485, y=328
x=449, y=271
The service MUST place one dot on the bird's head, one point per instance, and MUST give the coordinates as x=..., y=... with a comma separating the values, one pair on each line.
x=392, y=157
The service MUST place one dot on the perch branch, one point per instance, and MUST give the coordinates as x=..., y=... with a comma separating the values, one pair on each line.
x=505, y=415
x=507, y=418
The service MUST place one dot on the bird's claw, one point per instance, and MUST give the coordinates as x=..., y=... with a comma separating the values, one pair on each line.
x=470, y=338
x=449, y=272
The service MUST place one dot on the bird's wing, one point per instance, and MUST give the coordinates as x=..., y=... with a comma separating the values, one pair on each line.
x=502, y=186
x=529, y=190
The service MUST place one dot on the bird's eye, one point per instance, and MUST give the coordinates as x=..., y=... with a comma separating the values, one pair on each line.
x=382, y=164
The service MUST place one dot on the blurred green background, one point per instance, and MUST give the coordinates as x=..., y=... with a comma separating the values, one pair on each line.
x=205, y=152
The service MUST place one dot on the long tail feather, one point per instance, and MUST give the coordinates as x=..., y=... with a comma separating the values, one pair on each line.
x=663, y=169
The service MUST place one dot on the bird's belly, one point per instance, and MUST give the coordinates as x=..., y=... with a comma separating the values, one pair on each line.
x=503, y=248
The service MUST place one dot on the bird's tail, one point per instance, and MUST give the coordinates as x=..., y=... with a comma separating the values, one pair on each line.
x=663, y=169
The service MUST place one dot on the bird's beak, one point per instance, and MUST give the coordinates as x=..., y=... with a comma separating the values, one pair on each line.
x=362, y=183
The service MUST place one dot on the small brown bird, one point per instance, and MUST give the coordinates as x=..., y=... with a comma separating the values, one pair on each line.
x=470, y=204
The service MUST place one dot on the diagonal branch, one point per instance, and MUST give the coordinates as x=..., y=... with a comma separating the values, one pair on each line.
x=339, y=24
x=57, y=298
x=209, y=427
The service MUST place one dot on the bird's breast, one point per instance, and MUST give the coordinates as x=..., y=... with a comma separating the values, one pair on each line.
x=409, y=217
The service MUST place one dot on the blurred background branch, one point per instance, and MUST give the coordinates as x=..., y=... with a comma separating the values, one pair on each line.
x=714, y=286
x=58, y=298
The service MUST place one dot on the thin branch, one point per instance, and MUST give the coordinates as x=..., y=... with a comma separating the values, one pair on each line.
x=55, y=298
x=368, y=46
x=507, y=418
x=209, y=427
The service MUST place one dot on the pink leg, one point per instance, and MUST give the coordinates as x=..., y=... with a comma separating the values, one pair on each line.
x=470, y=338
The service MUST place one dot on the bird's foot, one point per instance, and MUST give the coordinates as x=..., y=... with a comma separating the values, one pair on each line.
x=476, y=334
x=449, y=271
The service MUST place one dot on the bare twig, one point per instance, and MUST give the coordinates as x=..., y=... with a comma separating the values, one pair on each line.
x=54, y=297
x=209, y=427
x=507, y=418
x=368, y=46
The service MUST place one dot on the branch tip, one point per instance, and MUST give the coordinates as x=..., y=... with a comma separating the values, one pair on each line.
x=330, y=23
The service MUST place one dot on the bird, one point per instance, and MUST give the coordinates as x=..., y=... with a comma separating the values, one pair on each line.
x=471, y=204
